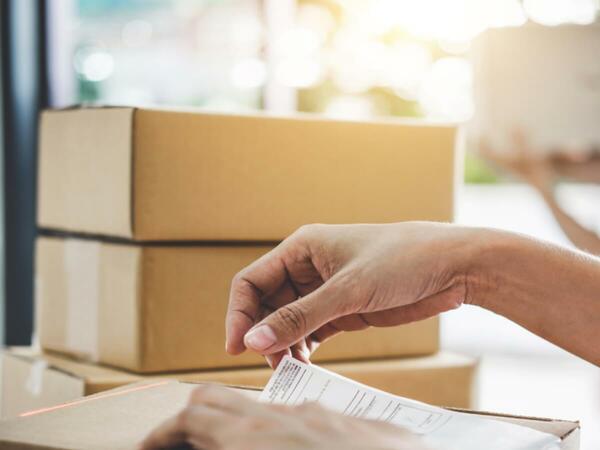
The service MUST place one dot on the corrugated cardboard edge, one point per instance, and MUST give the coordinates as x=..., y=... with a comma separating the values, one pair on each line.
x=35, y=357
x=233, y=386
x=575, y=423
x=26, y=383
x=296, y=115
x=132, y=182
x=15, y=352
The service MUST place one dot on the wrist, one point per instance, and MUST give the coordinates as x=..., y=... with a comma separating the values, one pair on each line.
x=490, y=257
x=544, y=182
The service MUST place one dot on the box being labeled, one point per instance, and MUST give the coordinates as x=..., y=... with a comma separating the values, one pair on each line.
x=121, y=418
x=162, y=308
x=32, y=381
x=164, y=175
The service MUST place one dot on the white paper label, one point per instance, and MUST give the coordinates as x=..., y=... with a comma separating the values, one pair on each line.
x=294, y=383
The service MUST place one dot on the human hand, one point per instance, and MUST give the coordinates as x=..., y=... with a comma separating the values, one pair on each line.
x=578, y=164
x=522, y=161
x=217, y=418
x=330, y=278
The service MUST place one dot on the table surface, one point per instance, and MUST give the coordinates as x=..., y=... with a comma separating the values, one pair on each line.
x=520, y=373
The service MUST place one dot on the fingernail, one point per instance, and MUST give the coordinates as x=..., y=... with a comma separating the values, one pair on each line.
x=260, y=338
x=269, y=360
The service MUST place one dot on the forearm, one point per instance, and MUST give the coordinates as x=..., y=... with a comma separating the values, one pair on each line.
x=580, y=236
x=551, y=291
x=588, y=172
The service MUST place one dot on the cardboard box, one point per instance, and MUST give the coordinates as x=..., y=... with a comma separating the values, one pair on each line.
x=148, y=174
x=162, y=308
x=121, y=418
x=513, y=93
x=32, y=381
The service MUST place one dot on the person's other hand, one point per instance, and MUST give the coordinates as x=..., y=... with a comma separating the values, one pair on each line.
x=330, y=278
x=522, y=161
x=581, y=165
x=218, y=418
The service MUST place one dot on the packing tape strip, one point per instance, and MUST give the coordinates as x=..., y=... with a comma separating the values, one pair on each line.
x=82, y=269
x=38, y=290
x=34, y=382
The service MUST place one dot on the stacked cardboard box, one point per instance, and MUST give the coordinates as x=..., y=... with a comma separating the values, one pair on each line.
x=146, y=215
x=162, y=308
x=33, y=381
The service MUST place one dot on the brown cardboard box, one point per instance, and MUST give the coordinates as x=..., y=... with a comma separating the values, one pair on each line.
x=162, y=308
x=149, y=174
x=32, y=381
x=121, y=418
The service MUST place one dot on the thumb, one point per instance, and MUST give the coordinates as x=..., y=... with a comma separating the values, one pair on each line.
x=293, y=322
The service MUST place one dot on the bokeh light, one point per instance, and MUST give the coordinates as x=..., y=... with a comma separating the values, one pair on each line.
x=94, y=64
x=346, y=58
x=555, y=12
x=249, y=73
x=446, y=89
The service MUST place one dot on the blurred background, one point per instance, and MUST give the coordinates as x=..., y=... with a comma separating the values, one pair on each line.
x=351, y=59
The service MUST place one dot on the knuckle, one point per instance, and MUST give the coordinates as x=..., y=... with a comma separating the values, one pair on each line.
x=308, y=407
x=182, y=418
x=455, y=304
x=242, y=283
x=293, y=318
x=201, y=393
x=253, y=423
x=452, y=302
x=239, y=278
x=307, y=230
x=303, y=229
x=197, y=395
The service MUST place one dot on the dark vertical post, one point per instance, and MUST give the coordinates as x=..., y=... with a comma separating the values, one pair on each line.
x=24, y=92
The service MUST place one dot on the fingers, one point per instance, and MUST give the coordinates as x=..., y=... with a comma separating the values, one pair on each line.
x=304, y=349
x=262, y=278
x=323, y=333
x=288, y=267
x=492, y=155
x=295, y=321
x=274, y=359
x=521, y=144
x=195, y=424
x=222, y=398
x=204, y=421
x=485, y=148
x=353, y=322
x=168, y=434
x=301, y=351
